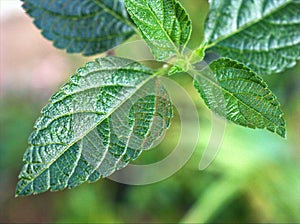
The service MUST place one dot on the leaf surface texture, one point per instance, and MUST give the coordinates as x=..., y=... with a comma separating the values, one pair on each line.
x=164, y=25
x=104, y=117
x=263, y=34
x=235, y=92
x=87, y=26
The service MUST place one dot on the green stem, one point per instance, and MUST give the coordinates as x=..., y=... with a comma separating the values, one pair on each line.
x=182, y=63
x=163, y=70
x=198, y=54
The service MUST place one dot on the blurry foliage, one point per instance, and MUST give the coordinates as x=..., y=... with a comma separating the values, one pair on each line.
x=255, y=177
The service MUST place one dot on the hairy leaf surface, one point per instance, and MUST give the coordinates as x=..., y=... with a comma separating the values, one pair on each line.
x=107, y=113
x=263, y=34
x=164, y=25
x=87, y=26
x=234, y=91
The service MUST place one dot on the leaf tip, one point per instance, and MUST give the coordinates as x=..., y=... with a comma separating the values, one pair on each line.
x=281, y=132
x=18, y=192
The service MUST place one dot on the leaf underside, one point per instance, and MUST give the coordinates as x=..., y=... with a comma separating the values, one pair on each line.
x=164, y=25
x=263, y=34
x=81, y=26
x=232, y=90
x=104, y=117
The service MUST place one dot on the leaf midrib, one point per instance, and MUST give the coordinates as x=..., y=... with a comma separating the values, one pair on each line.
x=116, y=15
x=163, y=29
x=245, y=26
x=87, y=132
x=276, y=48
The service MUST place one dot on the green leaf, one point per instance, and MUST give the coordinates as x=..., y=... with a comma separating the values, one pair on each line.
x=164, y=25
x=263, y=34
x=104, y=117
x=87, y=26
x=234, y=91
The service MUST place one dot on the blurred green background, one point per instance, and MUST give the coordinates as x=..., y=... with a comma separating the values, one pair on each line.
x=255, y=177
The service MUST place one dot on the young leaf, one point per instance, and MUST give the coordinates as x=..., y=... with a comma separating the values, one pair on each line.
x=232, y=90
x=164, y=25
x=87, y=26
x=263, y=34
x=107, y=113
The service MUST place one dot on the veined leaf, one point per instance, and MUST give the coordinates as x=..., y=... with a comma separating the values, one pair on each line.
x=164, y=25
x=107, y=113
x=263, y=34
x=234, y=91
x=87, y=26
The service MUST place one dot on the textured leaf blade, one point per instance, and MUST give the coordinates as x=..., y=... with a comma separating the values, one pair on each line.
x=234, y=91
x=87, y=26
x=99, y=121
x=263, y=34
x=164, y=25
